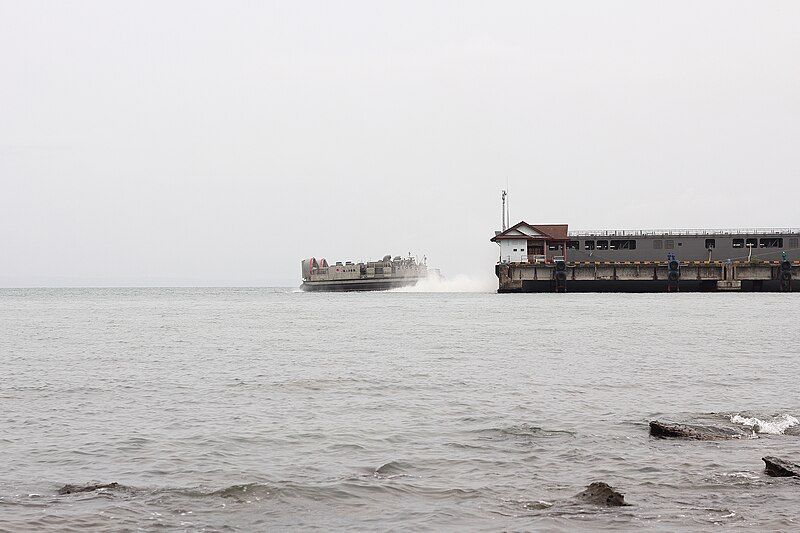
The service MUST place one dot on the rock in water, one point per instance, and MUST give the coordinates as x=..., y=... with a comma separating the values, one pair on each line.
x=793, y=431
x=692, y=432
x=780, y=467
x=72, y=489
x=600, y=493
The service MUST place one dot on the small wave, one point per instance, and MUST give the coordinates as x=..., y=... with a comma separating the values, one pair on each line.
x=351, y=489
x=742, y=475
x=392, y=469
x=537, y=505
x=527, y=431
x=246, y=492
x=776, y=426
x=91, y=487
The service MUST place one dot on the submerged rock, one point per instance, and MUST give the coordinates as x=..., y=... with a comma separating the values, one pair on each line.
x=693, y=432
x=599, y=493
x=778, y=467
x=72, y=489
x=793, y=431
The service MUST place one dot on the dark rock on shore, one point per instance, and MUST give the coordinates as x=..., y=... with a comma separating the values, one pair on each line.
x=778, y=467
x=793, y=431
x=72, y=489
x=693, y=432
x=599, y=493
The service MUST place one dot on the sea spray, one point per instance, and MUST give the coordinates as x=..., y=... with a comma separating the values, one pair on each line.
x=776, y=426
x=459, y=283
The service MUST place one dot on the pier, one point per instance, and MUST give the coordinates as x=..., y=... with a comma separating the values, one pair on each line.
x=550, y=258
x=647, y=276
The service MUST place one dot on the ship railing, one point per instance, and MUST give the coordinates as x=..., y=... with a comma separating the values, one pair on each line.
x=679, y=232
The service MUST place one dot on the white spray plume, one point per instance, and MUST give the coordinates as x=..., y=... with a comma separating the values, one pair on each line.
x=776, y=426
x=460, y=283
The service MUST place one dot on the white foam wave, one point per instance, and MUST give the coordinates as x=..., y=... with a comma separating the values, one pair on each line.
x=743, y=475
x=776, y=426
x=460, y=283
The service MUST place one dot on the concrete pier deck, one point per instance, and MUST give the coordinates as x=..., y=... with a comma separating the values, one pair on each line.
x=647, y=276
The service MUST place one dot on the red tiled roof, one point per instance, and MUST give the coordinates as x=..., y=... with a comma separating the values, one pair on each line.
x=552, y=232
x=556, y=231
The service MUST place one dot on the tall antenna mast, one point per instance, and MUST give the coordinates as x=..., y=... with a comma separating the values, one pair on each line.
x=508, y=206
x=503, y=196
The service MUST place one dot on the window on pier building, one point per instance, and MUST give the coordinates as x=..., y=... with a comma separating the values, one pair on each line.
x=772, y=242
x=793, y=243
x=628, y=244
x=658, y=244
x=573, y=245
x=738, y=243
x=669, y=244
x=751, y=242
x=711, y=243
x=588, y=245
x=602, y=245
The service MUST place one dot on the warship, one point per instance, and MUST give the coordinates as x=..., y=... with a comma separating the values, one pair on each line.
x=388, y=273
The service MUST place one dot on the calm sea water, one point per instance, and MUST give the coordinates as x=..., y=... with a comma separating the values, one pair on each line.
x=269, y=409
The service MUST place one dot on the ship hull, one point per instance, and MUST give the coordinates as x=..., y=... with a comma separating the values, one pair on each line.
x=360, y=285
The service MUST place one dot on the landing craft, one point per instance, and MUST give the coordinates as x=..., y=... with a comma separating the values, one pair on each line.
x=388, y=273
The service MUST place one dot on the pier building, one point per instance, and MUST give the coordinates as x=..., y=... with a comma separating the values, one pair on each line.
x=550, y=258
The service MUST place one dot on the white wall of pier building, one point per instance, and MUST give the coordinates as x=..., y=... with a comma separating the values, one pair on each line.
x=513, y=251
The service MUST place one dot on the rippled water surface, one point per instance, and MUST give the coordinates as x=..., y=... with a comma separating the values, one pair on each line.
x=258, y=409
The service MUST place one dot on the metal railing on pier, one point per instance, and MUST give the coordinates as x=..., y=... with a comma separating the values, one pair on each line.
x=679, y=232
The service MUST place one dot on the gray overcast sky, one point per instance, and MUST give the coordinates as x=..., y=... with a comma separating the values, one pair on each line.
x=198, y=143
